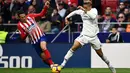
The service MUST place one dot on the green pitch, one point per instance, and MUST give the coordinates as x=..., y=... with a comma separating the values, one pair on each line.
x=66, y=70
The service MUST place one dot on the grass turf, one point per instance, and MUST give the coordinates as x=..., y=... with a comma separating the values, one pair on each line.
x=66, y=70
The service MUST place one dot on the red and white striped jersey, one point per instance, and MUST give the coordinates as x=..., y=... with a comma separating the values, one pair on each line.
x=30, y=28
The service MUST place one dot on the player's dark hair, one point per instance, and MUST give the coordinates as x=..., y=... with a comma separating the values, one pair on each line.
x=20, y=12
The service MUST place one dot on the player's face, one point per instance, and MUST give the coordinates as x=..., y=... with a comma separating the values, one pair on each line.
x=87, y=3
x=22, y=17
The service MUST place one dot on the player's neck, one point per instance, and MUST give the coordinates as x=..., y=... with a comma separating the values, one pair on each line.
x=88, y=8
x=24, y=21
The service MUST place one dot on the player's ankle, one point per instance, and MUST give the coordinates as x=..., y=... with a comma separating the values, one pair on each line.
x=51, y=65
x=61, y=66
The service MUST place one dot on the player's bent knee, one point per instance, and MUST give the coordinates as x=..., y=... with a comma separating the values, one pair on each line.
x=43, y=45
x=99, y=52
x=76, y=46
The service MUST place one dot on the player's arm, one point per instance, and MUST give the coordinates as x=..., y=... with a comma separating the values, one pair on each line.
x=72, y=14
x=42, y=13
x=23, y=35
x=91, y=13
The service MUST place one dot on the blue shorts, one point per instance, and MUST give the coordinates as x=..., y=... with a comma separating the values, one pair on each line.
x=37, y=45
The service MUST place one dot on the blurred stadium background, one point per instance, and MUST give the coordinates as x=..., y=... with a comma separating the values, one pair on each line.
x=17, y=56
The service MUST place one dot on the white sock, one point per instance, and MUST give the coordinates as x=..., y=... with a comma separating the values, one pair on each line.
x=104, y=58
x=67, y=57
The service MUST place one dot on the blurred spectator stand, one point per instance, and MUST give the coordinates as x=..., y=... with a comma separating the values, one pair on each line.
x=106, y=25
x=121, y=27
x=112, y=3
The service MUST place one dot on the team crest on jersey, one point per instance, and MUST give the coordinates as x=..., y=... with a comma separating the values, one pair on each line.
x=86, y=17
x=31, y=27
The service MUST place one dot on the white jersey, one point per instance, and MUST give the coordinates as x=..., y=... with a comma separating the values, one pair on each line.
x=90, y=21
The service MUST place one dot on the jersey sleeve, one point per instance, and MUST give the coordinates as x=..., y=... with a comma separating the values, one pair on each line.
x=92, y=13
x=42, y=13
x=23, y=34
x=79, y=12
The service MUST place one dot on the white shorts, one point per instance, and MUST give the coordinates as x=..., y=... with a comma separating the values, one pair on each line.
x=94, y=41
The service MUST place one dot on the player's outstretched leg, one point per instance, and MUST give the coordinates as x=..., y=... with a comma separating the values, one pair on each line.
x=46, y=56
x=104, y=58
x=69, y=54
x=67, y=57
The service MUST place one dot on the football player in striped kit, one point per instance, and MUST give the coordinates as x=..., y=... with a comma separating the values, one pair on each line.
x=27, y=26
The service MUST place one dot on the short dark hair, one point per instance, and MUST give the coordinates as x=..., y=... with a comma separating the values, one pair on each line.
x=20, y=12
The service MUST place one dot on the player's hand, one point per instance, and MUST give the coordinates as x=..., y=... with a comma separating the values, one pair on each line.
x=47, y=3
x=67, y=21
x=80, y=7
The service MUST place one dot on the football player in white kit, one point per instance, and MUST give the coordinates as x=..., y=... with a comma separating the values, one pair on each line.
x=88, y=34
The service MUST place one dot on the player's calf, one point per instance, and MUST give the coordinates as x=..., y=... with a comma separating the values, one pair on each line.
x=47, y=58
